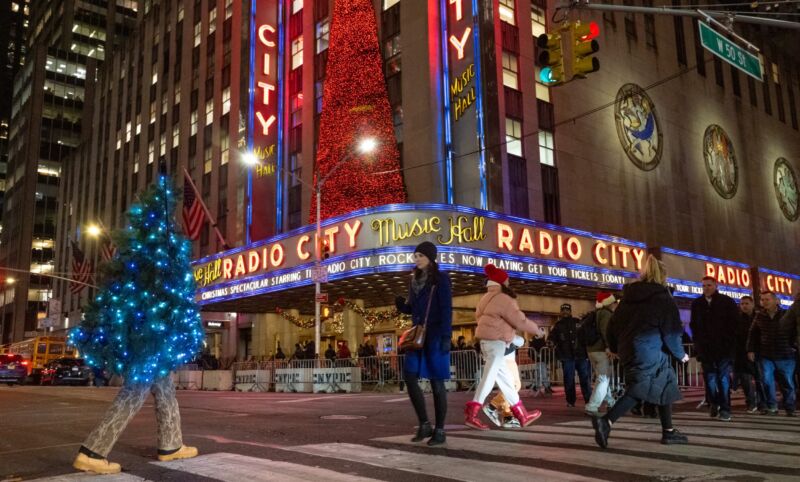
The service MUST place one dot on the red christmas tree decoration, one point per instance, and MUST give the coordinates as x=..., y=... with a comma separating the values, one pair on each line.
x=355, y=106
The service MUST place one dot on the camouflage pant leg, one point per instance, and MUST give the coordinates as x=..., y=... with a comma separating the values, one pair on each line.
x=127, y=403
x=168, y=415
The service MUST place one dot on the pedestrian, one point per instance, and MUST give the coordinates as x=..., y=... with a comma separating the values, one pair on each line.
x=713, y=322
x=299, y=353
x=772, y=337
x=461, y=344
x=744, y=370
x=644, y=331
x=571, y=352
x=279, y=355
x=430, y=303
x=330, y=353
x=344, y=352
x=499, y=409
x=498, y=318
x=595, y=331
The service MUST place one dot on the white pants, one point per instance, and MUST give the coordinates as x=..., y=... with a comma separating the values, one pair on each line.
x=496, y=370
x=602, y=369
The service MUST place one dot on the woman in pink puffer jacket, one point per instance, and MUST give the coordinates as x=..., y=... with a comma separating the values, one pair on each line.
x=498, y=317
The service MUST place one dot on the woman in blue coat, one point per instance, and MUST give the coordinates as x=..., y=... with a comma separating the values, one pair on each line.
x=433, y=360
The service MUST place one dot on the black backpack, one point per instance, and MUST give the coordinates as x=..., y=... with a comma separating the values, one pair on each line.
x=588, y=333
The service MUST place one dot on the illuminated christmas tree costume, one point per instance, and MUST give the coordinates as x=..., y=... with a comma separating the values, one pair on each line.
x=142, y=324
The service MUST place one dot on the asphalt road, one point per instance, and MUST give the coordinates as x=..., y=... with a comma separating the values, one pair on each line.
x=276, y=436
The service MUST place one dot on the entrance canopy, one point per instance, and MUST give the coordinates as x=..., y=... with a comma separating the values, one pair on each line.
x=371, y=256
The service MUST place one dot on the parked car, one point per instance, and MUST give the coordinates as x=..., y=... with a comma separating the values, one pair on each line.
x=13, y=369
x=67, y=371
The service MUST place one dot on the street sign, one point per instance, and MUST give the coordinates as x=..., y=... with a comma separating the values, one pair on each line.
x=728, y=51
x=319, y=274
x=54, y=307
x=49, y=322
x=321, y=298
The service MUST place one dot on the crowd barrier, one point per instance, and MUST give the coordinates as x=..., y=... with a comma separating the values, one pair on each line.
x=539, y=370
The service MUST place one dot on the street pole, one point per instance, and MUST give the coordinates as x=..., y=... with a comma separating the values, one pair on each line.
x=316, y=266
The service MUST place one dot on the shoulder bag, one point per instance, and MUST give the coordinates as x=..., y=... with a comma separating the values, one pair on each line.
x=414, y=338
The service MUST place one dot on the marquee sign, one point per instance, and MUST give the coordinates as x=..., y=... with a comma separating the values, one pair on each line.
x=686, y=270
x=383, y=239
x=785, y=285
x=265, y=124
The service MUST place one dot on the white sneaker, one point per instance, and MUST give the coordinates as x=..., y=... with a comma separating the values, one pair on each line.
x=491, y=414
x=511, y=422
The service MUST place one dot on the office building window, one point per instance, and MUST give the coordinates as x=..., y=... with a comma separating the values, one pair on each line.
x=510, y=71
x=546, y=148
x=514, y=137
x=297, y=52
x=506, y=10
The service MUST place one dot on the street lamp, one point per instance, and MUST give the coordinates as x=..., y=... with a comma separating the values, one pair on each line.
x=365, y=145
x=93, y=230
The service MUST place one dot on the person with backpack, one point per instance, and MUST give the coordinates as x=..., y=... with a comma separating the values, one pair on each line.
x=571, y=352
x=594, y=330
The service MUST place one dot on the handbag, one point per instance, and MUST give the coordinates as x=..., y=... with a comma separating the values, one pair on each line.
x=414, y=338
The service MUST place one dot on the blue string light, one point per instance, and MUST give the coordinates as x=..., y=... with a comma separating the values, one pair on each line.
x=144, y=322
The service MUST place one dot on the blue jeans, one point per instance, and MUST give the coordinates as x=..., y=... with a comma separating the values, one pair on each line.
x=717, y=376
x=584, y=369
x=783, y=370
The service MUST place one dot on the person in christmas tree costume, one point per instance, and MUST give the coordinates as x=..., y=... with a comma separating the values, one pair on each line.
x=142, y=324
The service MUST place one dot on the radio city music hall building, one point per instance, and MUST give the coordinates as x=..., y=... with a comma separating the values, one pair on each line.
x=489, y=171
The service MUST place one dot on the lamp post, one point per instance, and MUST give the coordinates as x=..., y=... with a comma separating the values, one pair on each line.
x=365, y=145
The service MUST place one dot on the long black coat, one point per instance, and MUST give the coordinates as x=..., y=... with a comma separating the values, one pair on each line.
x=714, y=327
x=644, y=331
x=564, y=337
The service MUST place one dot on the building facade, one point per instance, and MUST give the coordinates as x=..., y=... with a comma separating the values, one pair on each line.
x=567, y=186
x=66, y=41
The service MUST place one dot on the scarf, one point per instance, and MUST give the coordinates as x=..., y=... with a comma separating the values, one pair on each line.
x=418, y=284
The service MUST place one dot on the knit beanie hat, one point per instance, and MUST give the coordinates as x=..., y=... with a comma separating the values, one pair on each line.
x=428, y=249
x=496, y=274
x=604, y=299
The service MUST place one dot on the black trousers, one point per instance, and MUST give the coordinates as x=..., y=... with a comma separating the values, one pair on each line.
x=418, y=399
x=627, y=402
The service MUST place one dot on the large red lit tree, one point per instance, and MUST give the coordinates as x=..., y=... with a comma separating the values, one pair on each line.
x=355, y=106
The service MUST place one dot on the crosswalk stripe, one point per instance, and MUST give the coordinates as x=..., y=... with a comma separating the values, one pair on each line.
x=592, y=458
x=437, y=465
x=620, y=431
x=585, y=438
x=237, y=468
x=709, y=427
x=84, y=477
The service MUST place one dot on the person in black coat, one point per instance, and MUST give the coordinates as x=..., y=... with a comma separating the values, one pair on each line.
x=429, y=301
x=713, y=323
x=644, y=332
x=571, y=352
x=744, y=371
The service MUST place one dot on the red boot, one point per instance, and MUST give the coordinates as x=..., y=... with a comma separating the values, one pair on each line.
x=471, y=419
x=523, y=416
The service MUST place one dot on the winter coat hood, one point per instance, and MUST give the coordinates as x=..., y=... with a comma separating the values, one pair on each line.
x=643, y=291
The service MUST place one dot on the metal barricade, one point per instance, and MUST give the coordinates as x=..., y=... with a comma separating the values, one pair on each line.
x=465, y=370
x=252, y=376
x=189, y=377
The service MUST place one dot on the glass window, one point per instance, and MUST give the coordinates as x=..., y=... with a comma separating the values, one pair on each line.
x=514, y=137
x=226, y=100
x=297, y=52
x=193, y=122
x=542, y=91
x=387, y=4
x=510, y=71
x=538, y=21
x=197, y=30
x=212, y=20
x=546, y=150
x=506, y=10
x=297, y=5
x=323, y=35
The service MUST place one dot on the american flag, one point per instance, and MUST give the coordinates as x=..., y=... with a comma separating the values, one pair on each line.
x=108, y=250
x=81, y=269
x=193, y=214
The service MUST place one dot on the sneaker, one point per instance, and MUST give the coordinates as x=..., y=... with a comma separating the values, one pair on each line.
x=724, y=416
x=591, y=411
x=491, y=413
x=511, y=422
x=714, y=411
x=770, y=411
x=570, y=405
x=673, y=437
x=752, y=410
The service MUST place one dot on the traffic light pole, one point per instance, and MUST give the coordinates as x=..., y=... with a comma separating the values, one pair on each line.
x=680, y=12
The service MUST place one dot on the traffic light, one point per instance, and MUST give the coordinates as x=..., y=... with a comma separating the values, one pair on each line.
x=584, y=47
x=326, y=249
x=551, y=58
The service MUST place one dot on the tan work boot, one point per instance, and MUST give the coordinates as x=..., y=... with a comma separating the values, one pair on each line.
x=183, y=453
x=98, y=466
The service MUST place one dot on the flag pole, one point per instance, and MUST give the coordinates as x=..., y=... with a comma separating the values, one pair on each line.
x=205, y=209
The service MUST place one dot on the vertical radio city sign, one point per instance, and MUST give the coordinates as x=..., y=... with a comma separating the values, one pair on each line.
x=465, y=158
x=265, y=119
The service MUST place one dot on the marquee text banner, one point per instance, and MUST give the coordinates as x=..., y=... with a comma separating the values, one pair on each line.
x=785, y=285
x=383, y=239
x=685, y=272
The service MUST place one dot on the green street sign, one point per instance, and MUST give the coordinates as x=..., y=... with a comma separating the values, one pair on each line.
x=730, y=52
